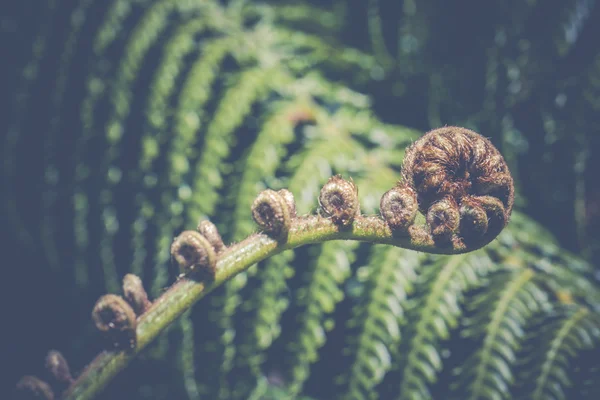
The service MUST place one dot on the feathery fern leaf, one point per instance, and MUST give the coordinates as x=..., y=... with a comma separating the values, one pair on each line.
x=514, y=297
x=554, y=341
x=388, y=278
x=183, y=109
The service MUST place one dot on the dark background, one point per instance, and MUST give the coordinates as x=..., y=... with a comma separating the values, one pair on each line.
x=539, y=101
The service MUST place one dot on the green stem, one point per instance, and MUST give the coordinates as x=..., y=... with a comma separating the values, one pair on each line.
x=235, y=259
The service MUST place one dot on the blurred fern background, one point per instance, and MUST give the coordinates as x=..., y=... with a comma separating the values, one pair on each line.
x=128, y=120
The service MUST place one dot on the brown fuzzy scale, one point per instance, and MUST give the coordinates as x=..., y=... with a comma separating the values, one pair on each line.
x=114, y=317
x=135, y=294
x=271, y=212
x=58, y=367
x=30, y=387
x=459, y=164
x=211, y=233
x=339, y=200
x=398, y=206
x=194, y=254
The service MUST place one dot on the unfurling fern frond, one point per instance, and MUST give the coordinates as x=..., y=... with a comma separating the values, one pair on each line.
x=184, y=110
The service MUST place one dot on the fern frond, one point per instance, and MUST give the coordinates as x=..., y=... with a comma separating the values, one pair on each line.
x=500, y=315
x=53, y=139
x=15, y=132
x=188, y=123
x=265, y=305
x=387, y=279
x=438, y=306
x=331, y=269
x=235, y=105
x=554, y=341
x=264, y=158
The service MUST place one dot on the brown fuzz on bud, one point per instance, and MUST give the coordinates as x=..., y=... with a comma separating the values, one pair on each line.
x=398, y=206
x=288, y=197
x=135, y=294
x=58, y=367
x=194, y=254
x=473, y=220
x=30, y=387
x=211, y=233
x=115, y=318
x=496, y=213
x=339, y=200
x=443, y=219
x=459, y=164
x=272, y=213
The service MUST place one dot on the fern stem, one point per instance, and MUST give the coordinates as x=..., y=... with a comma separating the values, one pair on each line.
x=184, y=293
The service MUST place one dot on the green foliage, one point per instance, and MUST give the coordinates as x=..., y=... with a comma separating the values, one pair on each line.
x=183, y=110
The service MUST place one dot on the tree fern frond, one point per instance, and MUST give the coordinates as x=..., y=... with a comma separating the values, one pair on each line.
x=182, y=109
x=387, y=279
x=261, y=327
x=263, y=159
x=14, y=132
x=318, y=299
x=155, y=135
x=438, y=306
x=153, y=23
x=554, y=340
x=189, y=119
x=235, y=105
x=188, y=364
x=52, y=139
x=498, y=323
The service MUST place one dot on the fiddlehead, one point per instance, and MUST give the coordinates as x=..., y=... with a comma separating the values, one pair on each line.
x=339, y=200
x=273, y=212
x=462, y=185
x=477, y=183
x=193, y=252
x=115, y=318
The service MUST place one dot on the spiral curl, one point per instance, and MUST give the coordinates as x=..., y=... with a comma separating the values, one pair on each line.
x=339, y=200
x=399, y=206
x=273, y=212
x=462, y=185
x=115, y=318
x=194, y=254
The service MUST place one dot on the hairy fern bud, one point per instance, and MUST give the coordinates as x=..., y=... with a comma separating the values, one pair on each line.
x=30, y=387
x=115, y=318
x=194, y=254
x=473, y=219
x=443, y=219
x=398, y=206
x=58, y=368
x=135, y=294
x=273, y=213
x=211, y=233
x=339, y=200
x=462, y=184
